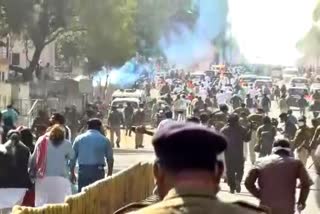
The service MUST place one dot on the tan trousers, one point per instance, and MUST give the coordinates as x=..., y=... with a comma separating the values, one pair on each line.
x=116, y=131
x=252, y=143
x=303, y=155
x=139, y=139
x=316, y=160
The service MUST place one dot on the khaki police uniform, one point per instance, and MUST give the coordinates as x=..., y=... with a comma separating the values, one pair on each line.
x=195, y=201
x=219, y=119
x=256, y=120
x=301, y=143
x=138, y=205
x=314, y=144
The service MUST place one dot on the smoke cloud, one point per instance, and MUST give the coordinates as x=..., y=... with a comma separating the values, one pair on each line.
x=184, y=46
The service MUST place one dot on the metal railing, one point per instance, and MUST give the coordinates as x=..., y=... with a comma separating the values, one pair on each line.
x=32, y=113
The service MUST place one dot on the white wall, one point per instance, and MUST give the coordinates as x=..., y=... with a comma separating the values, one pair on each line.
x=47, y=56
x=5, y=94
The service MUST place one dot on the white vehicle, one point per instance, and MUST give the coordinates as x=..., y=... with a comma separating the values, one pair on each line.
x=247, y=79
x=130, y=93
x=258, y=84
x=121, y=103
x=299, y=82
x=264, y=78
x=197, y=76
x=314, y=87
x=289, y=73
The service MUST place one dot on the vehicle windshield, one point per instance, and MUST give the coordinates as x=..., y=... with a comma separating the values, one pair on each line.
x=260, y=84
x=123, y=104
x=248, y=79
x=300, y=81
x=290, y=72
x=298, y=91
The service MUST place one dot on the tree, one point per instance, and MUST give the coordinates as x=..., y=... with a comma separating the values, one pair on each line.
x=153, y=18
x=38, y=21
x=316, y=12
x=70, y=47
x=109, y=24
x=310, y=44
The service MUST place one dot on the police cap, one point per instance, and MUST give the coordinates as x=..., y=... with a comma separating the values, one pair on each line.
x=182, y=146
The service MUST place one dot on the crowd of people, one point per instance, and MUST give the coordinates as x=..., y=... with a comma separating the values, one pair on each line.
x=278, y=149
x=52, y=159
x=205, y=130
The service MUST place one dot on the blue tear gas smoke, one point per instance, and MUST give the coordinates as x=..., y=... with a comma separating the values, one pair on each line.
x=125, y=76
x=100, y=77
x=129, y=73
x=185, y=46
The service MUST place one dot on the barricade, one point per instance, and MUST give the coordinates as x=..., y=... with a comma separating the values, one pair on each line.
x=104, y=196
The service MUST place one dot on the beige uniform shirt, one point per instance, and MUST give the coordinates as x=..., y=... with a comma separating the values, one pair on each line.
x=193, y=201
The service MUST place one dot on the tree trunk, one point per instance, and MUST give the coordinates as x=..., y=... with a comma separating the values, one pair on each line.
x=27, y=74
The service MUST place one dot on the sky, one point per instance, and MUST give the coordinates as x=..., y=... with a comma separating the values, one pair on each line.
x=267, y=31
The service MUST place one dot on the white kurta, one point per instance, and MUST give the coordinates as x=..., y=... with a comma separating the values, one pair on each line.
x=51, y=190
x=13, y=196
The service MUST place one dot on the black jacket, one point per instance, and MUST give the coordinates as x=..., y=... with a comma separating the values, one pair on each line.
x=14, y=158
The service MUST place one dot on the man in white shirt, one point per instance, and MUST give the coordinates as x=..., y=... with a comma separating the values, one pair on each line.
x=221, y=98
x=166, y=121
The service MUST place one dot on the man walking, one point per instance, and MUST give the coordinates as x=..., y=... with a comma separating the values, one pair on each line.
x=234, y=157
x=266, y=103
x=256, y=120
x=91, y=148
x=277, y=176
x=115, y=120
x=303, y=104
x=314, y=145
x=138, y=121
x=265, y=135
x=9, y=118
x=128, y=116
x=302, y=140
x=289, y=129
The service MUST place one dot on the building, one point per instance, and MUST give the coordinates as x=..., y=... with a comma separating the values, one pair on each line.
x=20, y=54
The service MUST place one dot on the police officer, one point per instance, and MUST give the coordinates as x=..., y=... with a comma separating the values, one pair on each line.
x=314, y=144
x=128, y=115
x=265, y=135
x=242, y=109
x=115, y=120
x=256, y=120
x=138, y=121
x=302, y=140
x=219, y=118
x=289, y=129
x=188, y=173
x=236, y=135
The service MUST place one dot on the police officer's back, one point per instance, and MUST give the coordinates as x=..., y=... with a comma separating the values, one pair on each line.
x=188, y=173
x=219, y=118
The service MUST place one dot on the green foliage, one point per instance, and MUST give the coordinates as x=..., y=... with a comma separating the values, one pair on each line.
x=39, y=21
x=316, y=12
x=310, y=44
x=70, y=46
x=153, y=19
x=109, y=24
